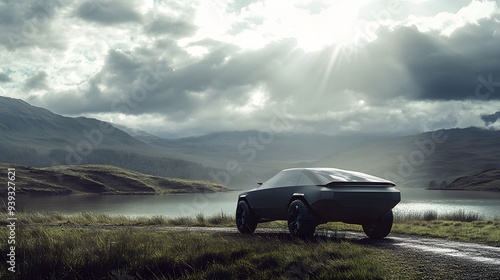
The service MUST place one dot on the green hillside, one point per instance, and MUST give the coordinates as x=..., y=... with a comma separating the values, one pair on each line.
x=484, y=181
x=99, y=179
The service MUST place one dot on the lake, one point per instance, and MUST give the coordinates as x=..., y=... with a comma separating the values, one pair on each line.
x=487, y=204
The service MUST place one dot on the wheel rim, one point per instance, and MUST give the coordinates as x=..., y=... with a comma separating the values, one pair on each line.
x=240, y=216
x=296, y=220
x=370, y=227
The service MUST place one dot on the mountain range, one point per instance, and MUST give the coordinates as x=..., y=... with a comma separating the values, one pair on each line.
x=35, y=136
x=22, y=124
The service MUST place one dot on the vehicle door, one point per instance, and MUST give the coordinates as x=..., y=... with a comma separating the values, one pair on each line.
x=261, y=199
x=282, y=192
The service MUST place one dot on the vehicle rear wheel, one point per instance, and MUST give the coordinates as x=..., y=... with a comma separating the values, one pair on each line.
x=379, y=228
x=246, y=221
x=301, y=221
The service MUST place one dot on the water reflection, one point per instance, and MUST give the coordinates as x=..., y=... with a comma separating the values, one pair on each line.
x=487, y=204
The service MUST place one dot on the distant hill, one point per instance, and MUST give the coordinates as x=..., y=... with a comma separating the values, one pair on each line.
x=24, y=125
x=409, y=161
x=483, y=181
x=261, y=152
x=37, y=137
x=99, y=179
x=285, y=147
x=416, y=160
x=138, y=134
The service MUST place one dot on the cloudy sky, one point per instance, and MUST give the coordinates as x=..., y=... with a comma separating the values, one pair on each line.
x=179, y=68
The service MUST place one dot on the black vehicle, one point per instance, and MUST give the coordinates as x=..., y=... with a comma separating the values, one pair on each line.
x=306, y=197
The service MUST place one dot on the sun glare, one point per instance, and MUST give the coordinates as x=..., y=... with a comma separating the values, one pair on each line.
x=315, y=24
x=334, y=24
x=256, y=101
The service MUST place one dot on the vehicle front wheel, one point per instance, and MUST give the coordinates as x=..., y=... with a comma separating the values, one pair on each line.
x=379, y=228
x=245, y=219
x=301, y=221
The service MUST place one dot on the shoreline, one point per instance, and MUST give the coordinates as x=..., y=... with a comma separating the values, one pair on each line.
x=115, y=194
x=464, y=190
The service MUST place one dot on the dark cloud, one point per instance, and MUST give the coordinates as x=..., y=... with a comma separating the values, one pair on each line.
x=176, y=93
x=119, y=63
x=419, y=65
x=174, y=27
x=489, y=119
x=38, y=81
x=4, y=78
x=402, y=64
x=341, y=87
x=28, y=23
x=451, y=68
x=108, y=12
x=15, y=13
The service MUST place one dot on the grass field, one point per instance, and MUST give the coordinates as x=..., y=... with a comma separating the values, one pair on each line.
x=455, y=226
x=67, y=253
x=93, y=252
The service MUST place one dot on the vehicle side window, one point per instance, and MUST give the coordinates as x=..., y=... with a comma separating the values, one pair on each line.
x=272, y=182
x=304, y=180
x=289, y=178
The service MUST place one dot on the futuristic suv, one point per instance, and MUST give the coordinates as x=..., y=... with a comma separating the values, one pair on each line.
x=306, y=197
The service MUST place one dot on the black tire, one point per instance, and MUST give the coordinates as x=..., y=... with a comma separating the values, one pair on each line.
x=246, y=221
x=301, y=220
x=380, y=228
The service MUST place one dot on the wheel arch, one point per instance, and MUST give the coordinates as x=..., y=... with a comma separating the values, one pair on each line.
x=243, y=197
x=299, y=196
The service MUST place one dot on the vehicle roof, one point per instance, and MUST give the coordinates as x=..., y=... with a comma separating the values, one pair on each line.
x=327, y=175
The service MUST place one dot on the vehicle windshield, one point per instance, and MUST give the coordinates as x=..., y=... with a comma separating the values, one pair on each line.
x=271, y=182
x=338, y=175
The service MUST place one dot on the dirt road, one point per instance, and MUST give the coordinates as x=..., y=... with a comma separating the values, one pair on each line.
x=440, y=259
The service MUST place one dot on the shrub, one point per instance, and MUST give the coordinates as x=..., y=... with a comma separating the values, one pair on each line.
x=462, y=216
x=430, y=215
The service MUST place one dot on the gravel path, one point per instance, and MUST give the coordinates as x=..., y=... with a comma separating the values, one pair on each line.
x=441, y=259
